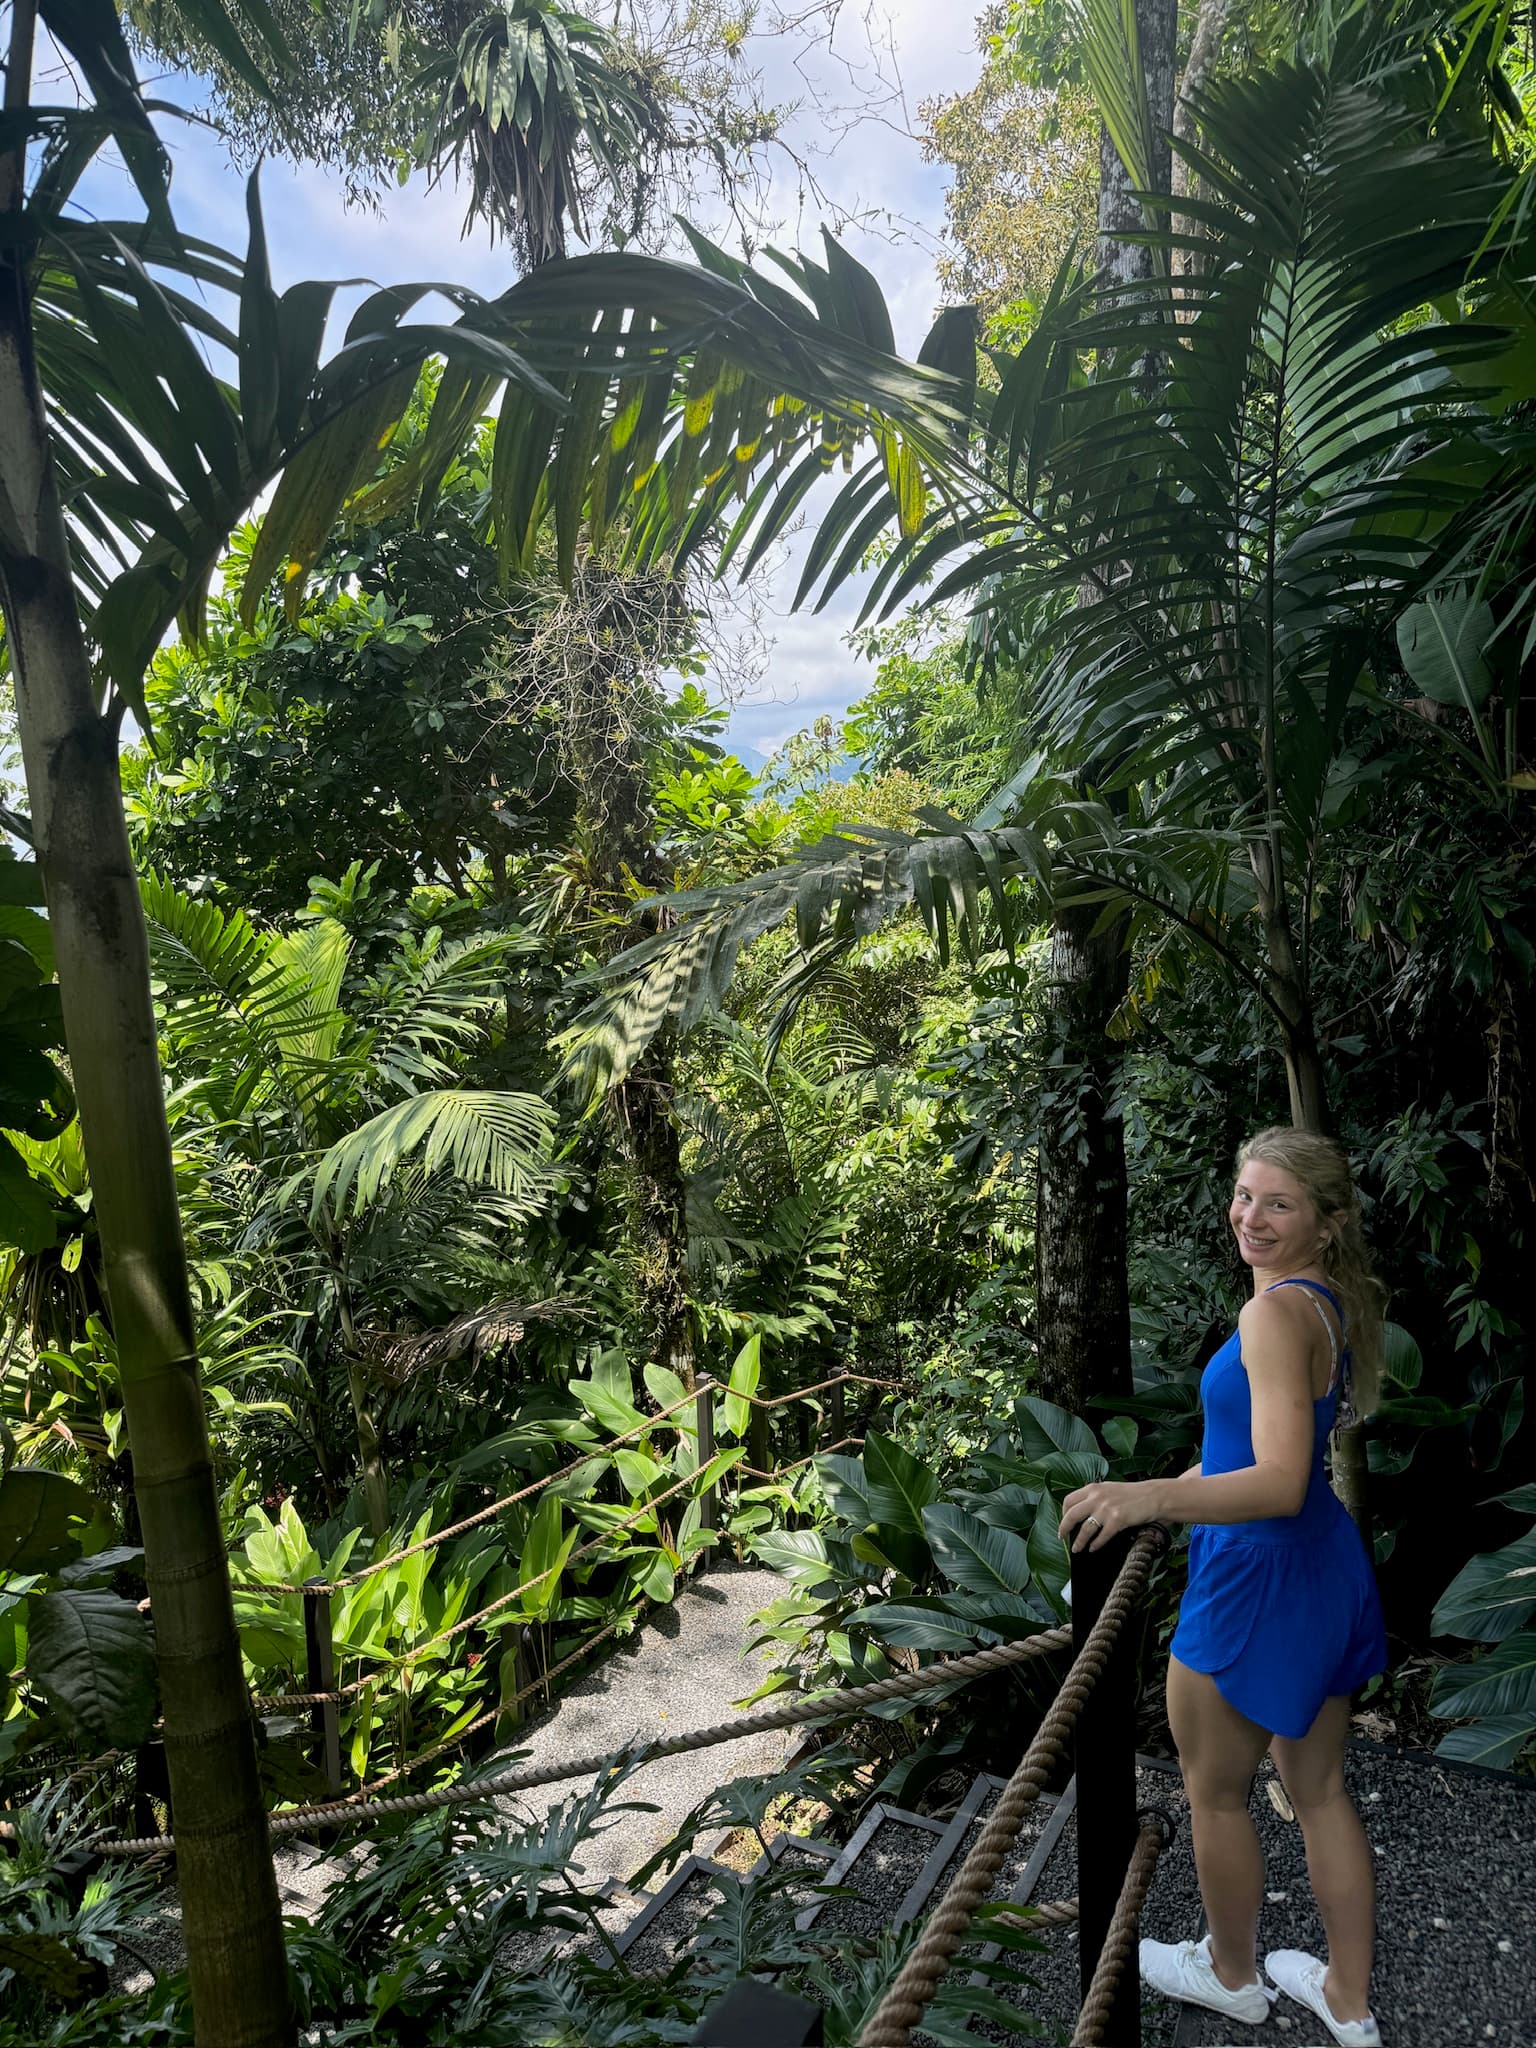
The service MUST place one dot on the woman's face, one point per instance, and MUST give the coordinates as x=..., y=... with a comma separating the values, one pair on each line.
x=1273, y=1219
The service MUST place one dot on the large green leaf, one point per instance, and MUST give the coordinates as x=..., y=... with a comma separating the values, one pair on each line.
x=27, y=1218
x=1500, y=1685
x=746, y=1371
x=608, y=1395
x=92, y=1657
x=545, y=1551
x=1495, y=1744
x=43, y=1517
x=844, y=1489
x=898, y=1485
x=1492, y=1595
x=1040, y=1428
x=1441, y=642
x=973, y=1555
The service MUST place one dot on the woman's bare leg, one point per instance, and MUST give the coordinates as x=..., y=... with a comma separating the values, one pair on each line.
x=1219, y=1751
x=1339, y=1860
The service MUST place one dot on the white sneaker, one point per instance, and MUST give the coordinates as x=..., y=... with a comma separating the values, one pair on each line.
x=1184, y=1970
x=1301, y=1977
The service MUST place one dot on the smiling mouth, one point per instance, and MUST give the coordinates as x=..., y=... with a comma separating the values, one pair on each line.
x=1258, y=1244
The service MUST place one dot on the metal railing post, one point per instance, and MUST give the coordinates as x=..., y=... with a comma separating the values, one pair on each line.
x=836, y=1410
x=709, y=1501
x=320, y=1675
x=1104, y=1758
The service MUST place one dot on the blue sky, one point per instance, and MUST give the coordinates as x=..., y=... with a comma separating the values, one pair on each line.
x=874, y=175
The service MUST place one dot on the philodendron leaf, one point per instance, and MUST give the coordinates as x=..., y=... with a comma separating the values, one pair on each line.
x=898, y=1487
x=42, y=1519
x=93, y=1657
x=1040, y=1427
x=44, y=1960
x=1495, y=1743
x=1441, y=643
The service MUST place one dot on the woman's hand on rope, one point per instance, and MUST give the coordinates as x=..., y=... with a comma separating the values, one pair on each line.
x=1093, y=1514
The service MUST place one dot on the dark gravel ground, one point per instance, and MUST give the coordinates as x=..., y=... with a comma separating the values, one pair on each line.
x=1456, y=1876
x=1457, y=1902
x=654, y=1951
x=882, y=1875
x=1054, y=1999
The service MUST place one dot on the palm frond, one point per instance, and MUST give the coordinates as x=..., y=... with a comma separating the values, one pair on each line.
x=498, y=1140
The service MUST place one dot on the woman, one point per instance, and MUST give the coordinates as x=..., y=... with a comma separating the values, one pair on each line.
x=1280, y=1622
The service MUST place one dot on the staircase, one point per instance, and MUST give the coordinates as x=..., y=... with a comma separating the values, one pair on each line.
x=1455, y=1846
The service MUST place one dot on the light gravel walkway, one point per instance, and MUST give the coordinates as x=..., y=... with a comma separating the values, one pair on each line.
x=683, y=1668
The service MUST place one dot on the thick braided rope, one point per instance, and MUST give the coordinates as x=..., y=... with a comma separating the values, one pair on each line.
x=1092, y=2030
x=903, y=2006
x=1048, y=1913
x=371, y=1571
x=439, y=1749
x=340, y=1813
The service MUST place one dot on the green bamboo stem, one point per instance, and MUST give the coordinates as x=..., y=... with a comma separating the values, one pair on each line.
x=229, y=1894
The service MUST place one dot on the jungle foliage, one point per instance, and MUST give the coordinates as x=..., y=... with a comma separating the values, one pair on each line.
x=468, y=956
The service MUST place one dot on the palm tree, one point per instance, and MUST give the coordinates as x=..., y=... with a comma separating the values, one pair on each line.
x=362, y=1160
x=124, y=465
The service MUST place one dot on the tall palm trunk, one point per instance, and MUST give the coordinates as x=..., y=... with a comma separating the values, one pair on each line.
x=224, y=1861
x=1082, y=1292
x=630, y=622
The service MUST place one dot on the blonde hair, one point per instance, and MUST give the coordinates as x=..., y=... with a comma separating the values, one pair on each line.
x=1322, y=1168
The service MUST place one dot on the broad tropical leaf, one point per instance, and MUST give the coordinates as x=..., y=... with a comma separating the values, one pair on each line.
x=1500, y=1685
x=973, y=1555
x=92, y=1656
x=1492, y=1595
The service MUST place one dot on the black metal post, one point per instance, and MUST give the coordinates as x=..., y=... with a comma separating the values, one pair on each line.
x=709, y=1500
x=320, y=1669
x=1104, y=1758
x=757, y=2015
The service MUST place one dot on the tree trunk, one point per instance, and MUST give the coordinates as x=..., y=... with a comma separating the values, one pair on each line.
x=652, y=1148
x=1305, y=1076
x=224, y=1861
x=370, y=1450
x=1084, y=1313
x=629, y=620
x=1082, y=1290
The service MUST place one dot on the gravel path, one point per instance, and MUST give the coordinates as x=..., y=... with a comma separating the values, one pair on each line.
x=684, y=1668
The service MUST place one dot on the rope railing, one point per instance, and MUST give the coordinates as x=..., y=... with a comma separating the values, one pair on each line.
x=909, y=1997
x=365, y=1572
x=469, y=1621
x=1094, y=2024
x=783, y=1471
x=459, y=1528
x=840, y=1706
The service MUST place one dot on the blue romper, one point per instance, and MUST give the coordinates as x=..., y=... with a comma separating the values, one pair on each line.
x=1283, y=1613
